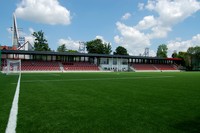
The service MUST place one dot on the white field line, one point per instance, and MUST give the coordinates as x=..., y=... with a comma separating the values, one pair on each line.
x=12, y=122
x=95, y=79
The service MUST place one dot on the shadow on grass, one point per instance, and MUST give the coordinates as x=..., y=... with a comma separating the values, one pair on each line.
x=189, y=126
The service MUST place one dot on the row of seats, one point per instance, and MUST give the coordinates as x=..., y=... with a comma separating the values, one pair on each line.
x=79, y=66
x=165, y=67
x=40, y=66
x=154, y=67
x=144, y=67
x=30, y=65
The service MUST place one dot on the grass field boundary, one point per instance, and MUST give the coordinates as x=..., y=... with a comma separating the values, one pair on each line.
x=12, y=122
x=96, y=79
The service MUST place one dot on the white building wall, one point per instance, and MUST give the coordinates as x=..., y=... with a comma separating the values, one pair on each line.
x=114, y=64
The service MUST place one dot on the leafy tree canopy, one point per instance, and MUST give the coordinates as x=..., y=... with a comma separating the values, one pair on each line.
x=40, y=43
x=189, y=57
x=184, y=57
x=194, y=51
x=72, y=51
x=120, y=51
x=181, y=54
x=175, y=55
x=162, y=51
x=62, y=48
x=98, y=47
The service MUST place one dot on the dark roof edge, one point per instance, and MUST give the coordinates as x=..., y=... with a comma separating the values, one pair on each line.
x=74, y=54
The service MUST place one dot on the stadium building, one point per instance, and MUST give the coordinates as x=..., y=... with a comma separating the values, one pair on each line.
x=63, y=62
x=31, y=61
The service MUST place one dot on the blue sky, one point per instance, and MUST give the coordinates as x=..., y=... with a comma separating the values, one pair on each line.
x=134, y=24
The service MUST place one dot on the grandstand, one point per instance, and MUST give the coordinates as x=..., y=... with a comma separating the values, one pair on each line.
x=144, y=67
x=29, y=65
x=155, y=67
x=64, y=62
x=79, y=66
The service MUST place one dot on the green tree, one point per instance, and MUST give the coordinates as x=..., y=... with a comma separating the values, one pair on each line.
x=72, y=51
x=184, y=56
x=193, y=58
x=162, y=51
x=40, y=43
x=62, y=48
x=98, y=47
x=174, y=55
x=120, y=51
x=194, y=51
x=198, y=52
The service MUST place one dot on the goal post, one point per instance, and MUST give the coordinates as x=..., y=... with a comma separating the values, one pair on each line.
x=12, y=67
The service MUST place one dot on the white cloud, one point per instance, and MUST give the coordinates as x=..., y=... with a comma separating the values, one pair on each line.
x=9, y=30
x=69, y=43
x=173, y=11
x=150, y=4
x=179, y=45
x=74, y=44
x=126, y=16
x=132, y=39
x=30, y=37
x=102, y=38
x=43, y=11
x=159, y=32
x=147, y=22
x=31, y=30
x=141, y=6
x=169, y=13
x=152, y=53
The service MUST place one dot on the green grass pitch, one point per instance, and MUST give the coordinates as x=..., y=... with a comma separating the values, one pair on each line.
x=7, y=91
x=103, y=102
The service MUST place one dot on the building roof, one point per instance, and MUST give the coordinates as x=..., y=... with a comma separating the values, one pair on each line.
x=77, y=54
x=173, y=58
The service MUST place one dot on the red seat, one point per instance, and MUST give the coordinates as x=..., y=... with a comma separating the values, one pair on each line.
x=79, y=66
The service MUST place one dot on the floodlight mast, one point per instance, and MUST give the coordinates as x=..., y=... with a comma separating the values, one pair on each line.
x=82, y=47
x=16, y=39
x=15, y=34
x=146, y=52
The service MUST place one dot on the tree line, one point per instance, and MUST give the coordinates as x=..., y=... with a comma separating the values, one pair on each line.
x=97, y=46
x=190, y=58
